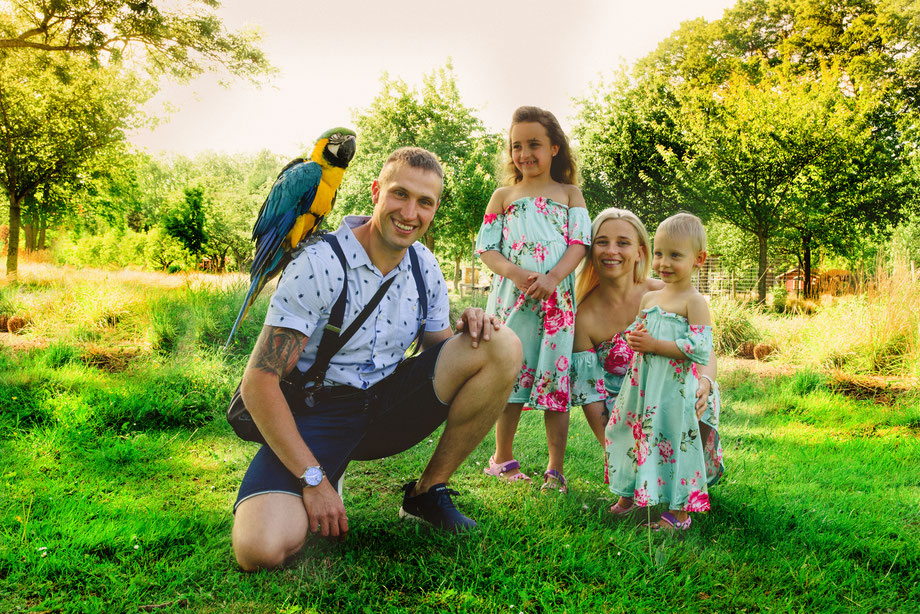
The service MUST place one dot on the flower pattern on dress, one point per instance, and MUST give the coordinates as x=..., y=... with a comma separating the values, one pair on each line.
x=677, y=463
x=533, y=233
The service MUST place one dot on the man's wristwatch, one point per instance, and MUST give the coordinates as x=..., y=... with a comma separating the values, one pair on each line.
x=312, y=476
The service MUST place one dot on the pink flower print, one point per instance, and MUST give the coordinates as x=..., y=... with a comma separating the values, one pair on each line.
x=683, y=481
x=540, y=204
x=688, y=348
x=693, y=482
x=506, y=234
x=640, y=497
x=641, y=452
x=697, y=328
x=539, y=252
x=665, y=449
x=600, y=387
x=698, y=474
x=558, y=400
x=562, y=363
x=618, y=358
x=517, y=245
x=526, y=379
x=489, y=218
x=660, y=482
x=697, y=502
x=638, y=435
x=564, y=383
x=694, y=371
x=553, y=320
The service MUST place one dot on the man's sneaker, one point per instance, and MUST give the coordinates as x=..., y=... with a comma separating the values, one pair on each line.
x=435, y=507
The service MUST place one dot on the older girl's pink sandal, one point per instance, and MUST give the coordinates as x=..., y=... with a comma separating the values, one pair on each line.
x=500, y=469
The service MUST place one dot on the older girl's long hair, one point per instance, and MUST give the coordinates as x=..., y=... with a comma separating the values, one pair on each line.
x=563, y=167
x=586, y=278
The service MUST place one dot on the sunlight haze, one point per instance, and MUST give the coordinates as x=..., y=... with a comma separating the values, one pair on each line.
x=331, y=57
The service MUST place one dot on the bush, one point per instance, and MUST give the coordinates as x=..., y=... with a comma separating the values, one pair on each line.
x=732, y=325
x=778, y=296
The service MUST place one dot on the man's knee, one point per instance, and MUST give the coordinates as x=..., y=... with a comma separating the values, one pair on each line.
x=504, y=350
x=266, y=540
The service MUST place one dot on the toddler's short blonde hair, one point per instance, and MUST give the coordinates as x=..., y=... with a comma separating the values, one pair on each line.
x=683, y=224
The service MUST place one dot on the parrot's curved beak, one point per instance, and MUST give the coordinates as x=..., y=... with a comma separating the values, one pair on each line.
x=347, y=150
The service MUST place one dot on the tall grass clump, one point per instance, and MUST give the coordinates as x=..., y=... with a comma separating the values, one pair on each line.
x=875, y=332
x=733, y=325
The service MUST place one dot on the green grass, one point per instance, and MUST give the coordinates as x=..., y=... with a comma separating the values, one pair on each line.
x=818, y=511
x=116, y=486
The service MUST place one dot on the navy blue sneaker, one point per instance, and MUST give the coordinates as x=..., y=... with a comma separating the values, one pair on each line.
x=436, y=508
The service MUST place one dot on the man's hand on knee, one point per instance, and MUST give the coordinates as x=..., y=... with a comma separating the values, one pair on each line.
x=477, y=324
x=325, y=511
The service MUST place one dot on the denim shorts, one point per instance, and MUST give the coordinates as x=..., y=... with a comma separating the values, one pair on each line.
x=351, y=424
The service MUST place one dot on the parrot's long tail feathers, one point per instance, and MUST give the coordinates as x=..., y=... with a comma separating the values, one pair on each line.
x=250, y=298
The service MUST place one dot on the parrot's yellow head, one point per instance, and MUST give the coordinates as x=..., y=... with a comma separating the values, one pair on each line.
x=335, y=147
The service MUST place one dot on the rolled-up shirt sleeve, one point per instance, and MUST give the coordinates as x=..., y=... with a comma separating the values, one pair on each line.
x=306, y=291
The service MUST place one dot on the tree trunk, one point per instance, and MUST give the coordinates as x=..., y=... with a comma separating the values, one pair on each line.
x=762, y=269
x=429, y=241
x=457, y=262
x=806, y=265
x=41, y=237
x=29, y=232
x=12, y=251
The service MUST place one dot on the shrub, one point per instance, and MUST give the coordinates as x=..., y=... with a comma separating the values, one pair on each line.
x=778, y=296
x=732, y=325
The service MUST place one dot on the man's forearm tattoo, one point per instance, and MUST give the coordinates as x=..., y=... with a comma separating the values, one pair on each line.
x=277, y=350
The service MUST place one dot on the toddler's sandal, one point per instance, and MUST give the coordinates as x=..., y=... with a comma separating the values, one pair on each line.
x=671, y=523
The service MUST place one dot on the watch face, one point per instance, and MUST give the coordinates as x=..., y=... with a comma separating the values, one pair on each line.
x=313, y=476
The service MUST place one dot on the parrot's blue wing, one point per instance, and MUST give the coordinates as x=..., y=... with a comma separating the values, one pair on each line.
x=290, y=197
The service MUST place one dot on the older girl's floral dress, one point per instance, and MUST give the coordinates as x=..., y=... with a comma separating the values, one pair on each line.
x=655, y=451
x=534, y=233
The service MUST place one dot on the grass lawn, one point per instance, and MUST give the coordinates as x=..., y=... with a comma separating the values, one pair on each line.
x=117, y=481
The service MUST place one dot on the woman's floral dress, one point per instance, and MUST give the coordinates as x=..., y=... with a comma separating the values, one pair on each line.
x=534, y=233
x=597, y=374
x=655, y=452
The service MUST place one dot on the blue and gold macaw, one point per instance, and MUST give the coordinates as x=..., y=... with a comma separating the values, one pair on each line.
x=302, y=195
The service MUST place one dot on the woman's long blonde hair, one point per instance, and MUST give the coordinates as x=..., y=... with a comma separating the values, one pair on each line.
x=586, y=279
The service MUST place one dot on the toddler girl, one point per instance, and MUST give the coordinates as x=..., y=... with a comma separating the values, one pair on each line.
x=654, y=449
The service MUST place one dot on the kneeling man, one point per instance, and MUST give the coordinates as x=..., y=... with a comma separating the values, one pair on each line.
x=373, y=403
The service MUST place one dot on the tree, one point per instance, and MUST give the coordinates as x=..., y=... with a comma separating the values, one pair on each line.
x=434, y=118
x=186, y=222
x=56, y=113
x=184, y=39
x=620, y=128
x=781, y=157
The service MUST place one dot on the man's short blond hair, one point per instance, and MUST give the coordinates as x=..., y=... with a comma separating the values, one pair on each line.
x=413, y=157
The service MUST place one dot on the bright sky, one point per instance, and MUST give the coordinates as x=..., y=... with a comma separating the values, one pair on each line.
x=331, y=55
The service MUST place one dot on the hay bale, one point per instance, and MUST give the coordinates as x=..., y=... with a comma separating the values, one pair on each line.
x=15, y=324
x=3, y=321
x=762, y=350
x=746, y=350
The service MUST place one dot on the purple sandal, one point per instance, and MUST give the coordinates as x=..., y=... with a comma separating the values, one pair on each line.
x=553, y=480
x=500, y=469
x=671, y=523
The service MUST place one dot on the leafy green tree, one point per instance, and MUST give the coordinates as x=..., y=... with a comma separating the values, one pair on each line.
x=184, y=38
x=433, y=117
x=621, y=126
x=163, y=250
x=56, y=113
x=186, y=222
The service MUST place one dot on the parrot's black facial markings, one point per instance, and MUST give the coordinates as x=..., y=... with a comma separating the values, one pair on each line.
x=339, y=150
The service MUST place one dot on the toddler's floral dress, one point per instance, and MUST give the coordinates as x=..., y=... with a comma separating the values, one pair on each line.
x=655, y=450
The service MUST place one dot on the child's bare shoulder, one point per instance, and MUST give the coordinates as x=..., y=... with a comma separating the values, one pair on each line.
x=500, y=199
x=574, y=196
x=698, y=309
